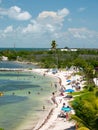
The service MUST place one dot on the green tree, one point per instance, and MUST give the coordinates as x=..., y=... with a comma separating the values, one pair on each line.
x=86, y=110
x=54, y=49
x=53, y=45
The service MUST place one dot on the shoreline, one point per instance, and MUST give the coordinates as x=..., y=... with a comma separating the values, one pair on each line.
x=48, y=114
x=29, y=122
x=48, y=108
x=48, y=119
x=41, y=123
x=51, y=120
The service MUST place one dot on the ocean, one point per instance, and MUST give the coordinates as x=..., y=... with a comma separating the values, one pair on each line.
x=25, y=94
x=28, y=49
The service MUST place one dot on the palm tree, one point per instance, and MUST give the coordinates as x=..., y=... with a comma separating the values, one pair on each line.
x=54, y=49
x=53, y=45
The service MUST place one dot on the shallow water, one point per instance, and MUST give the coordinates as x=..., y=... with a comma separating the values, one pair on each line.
x=25, y=94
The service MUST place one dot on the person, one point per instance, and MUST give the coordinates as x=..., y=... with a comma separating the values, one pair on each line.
x=43, y=108
x=62, y=94
x=62, y=112
x=76, y=125
x=29, y=92
x=63, y=108
x=55, y=86
x=67, y=116
x=65, y=111
x=53, y=98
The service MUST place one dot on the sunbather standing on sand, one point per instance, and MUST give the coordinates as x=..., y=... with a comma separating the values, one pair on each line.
x=53, y=98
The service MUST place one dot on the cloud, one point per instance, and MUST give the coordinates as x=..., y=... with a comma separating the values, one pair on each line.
x=53, y=17
x=43, y=29
x=47, y=21
x=81, y=9
x=64, y=12
x=15, y=13
x=82, y=33
x=36, y=36
x=8, y=29
x=78, y=37
x=78, y=32
x=32, y=28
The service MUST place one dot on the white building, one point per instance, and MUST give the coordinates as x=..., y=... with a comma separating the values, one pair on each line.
x=73, y=49
x=4, y=58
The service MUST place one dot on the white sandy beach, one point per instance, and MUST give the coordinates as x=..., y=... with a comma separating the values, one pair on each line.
x=52, y=121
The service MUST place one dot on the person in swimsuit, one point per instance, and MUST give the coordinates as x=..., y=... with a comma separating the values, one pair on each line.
x=53, y=98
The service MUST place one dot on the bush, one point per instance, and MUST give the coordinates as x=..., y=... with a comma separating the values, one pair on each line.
x=82, y=128
x=91, y=88
x=96, y=93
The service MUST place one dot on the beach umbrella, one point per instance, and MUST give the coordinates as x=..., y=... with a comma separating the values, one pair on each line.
x=66, y=109
x=68, y=81
x=69, y=90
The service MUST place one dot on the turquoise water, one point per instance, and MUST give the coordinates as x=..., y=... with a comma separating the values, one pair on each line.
x=25, y=94
x=11, y=64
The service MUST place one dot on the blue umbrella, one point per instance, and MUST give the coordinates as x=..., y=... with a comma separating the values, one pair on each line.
x=66, y=109
x=69, y=90
x=68, y=81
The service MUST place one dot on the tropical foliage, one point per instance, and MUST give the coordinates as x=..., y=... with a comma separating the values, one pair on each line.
x=86, y=110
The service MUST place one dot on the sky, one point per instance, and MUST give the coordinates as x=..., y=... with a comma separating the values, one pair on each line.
x=36, y=23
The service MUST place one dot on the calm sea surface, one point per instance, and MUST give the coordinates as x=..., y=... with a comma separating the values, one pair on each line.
x=25, y=94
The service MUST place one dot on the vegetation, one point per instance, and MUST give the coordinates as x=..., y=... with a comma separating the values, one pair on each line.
x=86, y=59
x=86, y=104
x=86, y=109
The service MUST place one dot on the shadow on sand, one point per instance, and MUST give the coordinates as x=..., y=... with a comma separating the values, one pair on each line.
x=71, y=128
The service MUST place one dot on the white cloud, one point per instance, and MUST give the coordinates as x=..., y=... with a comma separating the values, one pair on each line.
x=31, y=28
x=78, y=32
x=46, y=27
x=33, y=33
x=47, y=21
x=8, y=29
x=7, y=32
x=53, y=17
x=81, y=9
x=64, y=12
x=81, y=34
x=15, y=13
x=50, y=27
x=46, y=14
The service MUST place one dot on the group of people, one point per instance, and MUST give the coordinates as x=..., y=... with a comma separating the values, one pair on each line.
x=65, y=109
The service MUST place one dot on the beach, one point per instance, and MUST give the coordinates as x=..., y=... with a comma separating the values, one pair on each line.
x=51, y=121
x=48, y=115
